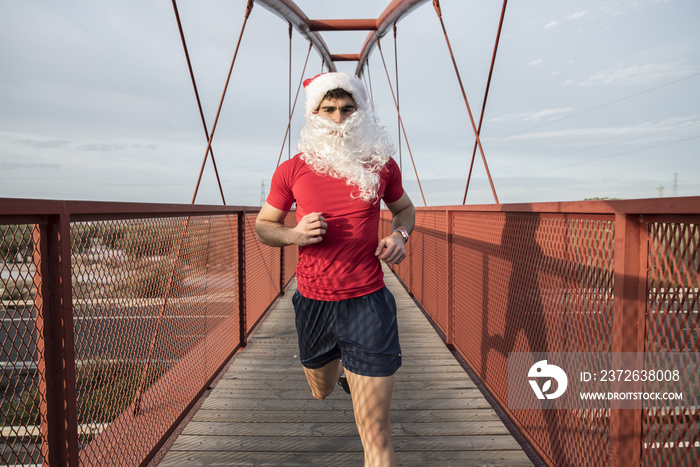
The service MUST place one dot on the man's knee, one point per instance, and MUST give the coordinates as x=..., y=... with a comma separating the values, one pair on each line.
x=378, y=433
x=322, y=380
x=320, y=394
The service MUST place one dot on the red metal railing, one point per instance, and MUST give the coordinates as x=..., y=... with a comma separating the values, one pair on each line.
x=116, y=317
x=618, y=276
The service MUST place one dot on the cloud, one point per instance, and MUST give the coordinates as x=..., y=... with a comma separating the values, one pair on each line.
x=571, y=17
x=101, y=147
x=635, y=75
x=646, y=129
x=546, y=114
x=42, y=143
x=621, y=7
x=535, y=62
x=13, y=165
x=108, y=147
x=577, y=15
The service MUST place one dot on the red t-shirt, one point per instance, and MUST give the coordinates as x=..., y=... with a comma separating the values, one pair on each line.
x=343, y=265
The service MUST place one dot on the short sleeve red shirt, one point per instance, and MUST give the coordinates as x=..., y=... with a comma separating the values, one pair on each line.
x=343, y=265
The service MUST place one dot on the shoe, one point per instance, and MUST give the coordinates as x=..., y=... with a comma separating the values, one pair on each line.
x=343, y=383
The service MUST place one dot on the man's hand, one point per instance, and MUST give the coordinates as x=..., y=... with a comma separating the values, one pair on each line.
x=310, y=229
x=391, y=249
x=272, y=232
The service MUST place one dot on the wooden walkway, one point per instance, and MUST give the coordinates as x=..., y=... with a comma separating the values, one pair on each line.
x=261, y=411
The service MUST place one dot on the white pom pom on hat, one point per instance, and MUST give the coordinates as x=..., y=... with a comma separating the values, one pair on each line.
x=317, y=87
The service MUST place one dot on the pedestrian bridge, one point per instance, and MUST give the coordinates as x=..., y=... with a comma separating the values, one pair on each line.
x=144, y=333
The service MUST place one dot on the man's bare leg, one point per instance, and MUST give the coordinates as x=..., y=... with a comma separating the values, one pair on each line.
x=371, y=400
x=322, y=381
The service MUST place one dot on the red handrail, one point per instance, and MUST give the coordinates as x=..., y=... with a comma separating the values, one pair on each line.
x=124, y=309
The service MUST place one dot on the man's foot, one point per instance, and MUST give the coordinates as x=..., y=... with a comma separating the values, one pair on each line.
x=343, y=383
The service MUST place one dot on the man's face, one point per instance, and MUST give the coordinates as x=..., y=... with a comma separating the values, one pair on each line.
x=337, y=109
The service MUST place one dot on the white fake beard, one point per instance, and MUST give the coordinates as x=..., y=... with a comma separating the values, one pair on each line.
x=356, y=150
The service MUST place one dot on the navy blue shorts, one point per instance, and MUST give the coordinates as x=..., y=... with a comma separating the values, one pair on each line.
x=361, y=331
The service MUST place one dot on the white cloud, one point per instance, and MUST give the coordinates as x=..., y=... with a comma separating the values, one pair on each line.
x=535, y=62
x=14, y=165
x=621, y=7
x=635, y=75
x=42, y=143
x=571, y=17
x=546, y=114
x=592, y=134
x=577, y=15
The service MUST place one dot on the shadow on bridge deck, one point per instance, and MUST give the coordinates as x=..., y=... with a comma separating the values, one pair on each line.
x=261, y=411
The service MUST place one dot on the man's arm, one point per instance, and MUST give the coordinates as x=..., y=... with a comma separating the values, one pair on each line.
x=392, y=249
x=272, y=232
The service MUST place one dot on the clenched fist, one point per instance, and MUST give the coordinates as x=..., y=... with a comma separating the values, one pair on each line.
x=391, y=249
x=310, y=229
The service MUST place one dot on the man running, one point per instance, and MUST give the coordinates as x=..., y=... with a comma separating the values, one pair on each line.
x=343, y=309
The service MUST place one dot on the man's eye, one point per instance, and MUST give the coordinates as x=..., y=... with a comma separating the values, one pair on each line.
x=348, y=109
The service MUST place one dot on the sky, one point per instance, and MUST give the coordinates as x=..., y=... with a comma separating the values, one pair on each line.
x=589, y=98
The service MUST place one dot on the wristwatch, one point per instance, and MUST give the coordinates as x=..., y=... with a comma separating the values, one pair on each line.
x=403, y=233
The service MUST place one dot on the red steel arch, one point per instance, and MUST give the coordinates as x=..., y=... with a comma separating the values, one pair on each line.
x=391, y=15
x=289, y=11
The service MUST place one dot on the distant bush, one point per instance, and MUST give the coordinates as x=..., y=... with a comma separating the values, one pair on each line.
x=18, y=290
x=16, y=240
x=105, y=390
x=22, y=410
x=150, y=279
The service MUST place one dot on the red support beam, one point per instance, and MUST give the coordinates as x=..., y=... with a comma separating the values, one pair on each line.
x=629, y=308
x=449, y=265
x=59, y=420
x=242, y=318
x=343, y=25
x=345, y=57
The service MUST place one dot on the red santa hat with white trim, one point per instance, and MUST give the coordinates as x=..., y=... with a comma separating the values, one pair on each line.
x=317, y=87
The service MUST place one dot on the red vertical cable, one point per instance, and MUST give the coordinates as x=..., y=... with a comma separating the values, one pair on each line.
x=379, y=46
x=369, y=81
x=289, y=146
x=436, y=4
x=370, y=97
x=368, y=86
x=486, y=94
x=199, y=105
x=248, y=9
x=398, y=100
x=291, y=113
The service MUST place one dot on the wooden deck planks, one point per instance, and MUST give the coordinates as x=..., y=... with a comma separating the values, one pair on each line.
x=261, y=412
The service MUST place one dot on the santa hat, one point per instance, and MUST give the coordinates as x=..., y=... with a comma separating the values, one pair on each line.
x=317, y=87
